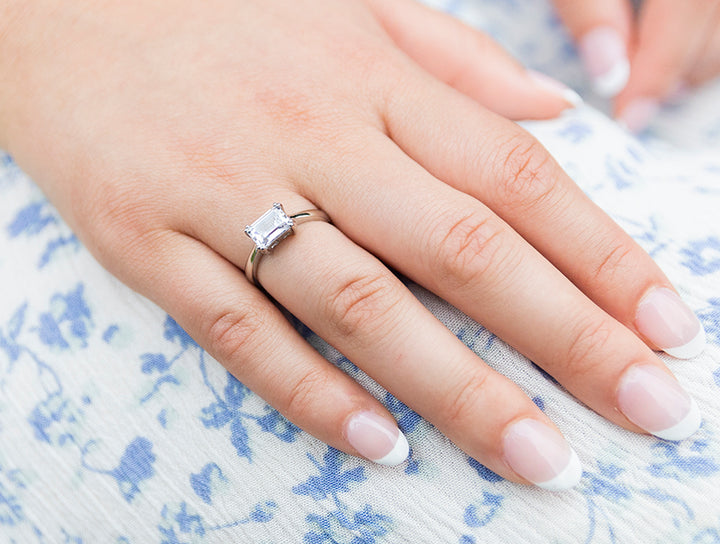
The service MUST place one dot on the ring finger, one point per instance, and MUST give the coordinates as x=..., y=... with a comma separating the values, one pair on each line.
x=353, y=301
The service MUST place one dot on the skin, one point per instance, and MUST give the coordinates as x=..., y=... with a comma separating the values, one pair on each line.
x=671, y=45
x=159, y=130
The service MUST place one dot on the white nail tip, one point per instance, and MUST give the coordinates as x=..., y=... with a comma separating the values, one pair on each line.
x=685, y=428
x=398, y=454
x=572, y=97
x=612, y=82
x=568, y=478
x=692, y=349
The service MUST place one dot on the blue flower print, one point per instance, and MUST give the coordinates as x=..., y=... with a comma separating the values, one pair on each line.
x=202, y=482
x=482, y=512
x=135, y=466
x=332, y=478
x=366, y=527
x=34, y=219
x=228, y=411
x=342, y=524
x=68, y=320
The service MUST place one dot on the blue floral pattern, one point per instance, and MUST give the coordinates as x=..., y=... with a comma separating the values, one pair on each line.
x=116, y=426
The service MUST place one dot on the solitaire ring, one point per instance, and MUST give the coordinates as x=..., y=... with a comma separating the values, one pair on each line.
x=270, y=229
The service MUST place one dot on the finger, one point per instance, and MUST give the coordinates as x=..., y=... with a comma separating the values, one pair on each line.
x=602, y=31
x=350, y=299
x=472, y=62
x=507, y=169
x=355, y=303
x=707, y=66
x=241, y=328
x=670, y=38
x=452, y=244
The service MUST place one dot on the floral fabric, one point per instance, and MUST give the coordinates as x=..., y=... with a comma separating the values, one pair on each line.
x=116, y=427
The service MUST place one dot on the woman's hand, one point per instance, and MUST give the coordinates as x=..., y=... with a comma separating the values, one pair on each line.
x=647, y=57
x=160, y=130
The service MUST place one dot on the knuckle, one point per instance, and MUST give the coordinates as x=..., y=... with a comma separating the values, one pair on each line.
x=361, y=300
x=525, y=173
x=462, y=401
x=300, y=400
x=469, y=247
x=588, y=338
x=616, y=262
x=231, y=333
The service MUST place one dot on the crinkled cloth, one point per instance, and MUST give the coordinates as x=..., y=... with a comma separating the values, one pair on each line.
x=116, y=427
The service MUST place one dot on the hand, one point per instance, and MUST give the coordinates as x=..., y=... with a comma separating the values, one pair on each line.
x=161, y=129
x=670, y=46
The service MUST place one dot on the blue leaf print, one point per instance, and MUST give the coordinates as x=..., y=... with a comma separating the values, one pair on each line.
x=32, y=219
x=239, y=438
x=332, y=479
x=235, y=392
x=174, y=332
x=273, y=422
x=484, y=472
x=406, y=418
x=16, y=322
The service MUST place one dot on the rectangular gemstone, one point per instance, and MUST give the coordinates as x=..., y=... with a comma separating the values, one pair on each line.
x=270, y=228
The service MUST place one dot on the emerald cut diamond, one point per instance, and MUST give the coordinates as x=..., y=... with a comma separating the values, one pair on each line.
x=270, y=228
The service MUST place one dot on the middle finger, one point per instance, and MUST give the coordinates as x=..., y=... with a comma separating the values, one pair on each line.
x=457, y=247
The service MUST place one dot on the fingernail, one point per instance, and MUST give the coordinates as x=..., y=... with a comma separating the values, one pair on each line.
x=655, y=401
x=556, y=87
x=377, y=439
x=664, y=319
x=637, y=114
x=603, y=52
x=541, y=455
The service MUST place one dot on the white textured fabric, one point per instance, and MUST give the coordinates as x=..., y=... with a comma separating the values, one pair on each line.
x=116, y=427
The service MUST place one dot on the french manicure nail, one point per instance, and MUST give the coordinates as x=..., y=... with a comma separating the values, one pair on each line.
x=655, y=401
x=605, y=57
x=377, y=439
x=664, y=319
x=541, y=455
x=637, y=114
x=556, y=87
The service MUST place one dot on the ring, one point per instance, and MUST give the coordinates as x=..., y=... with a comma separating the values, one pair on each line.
x=270, y=229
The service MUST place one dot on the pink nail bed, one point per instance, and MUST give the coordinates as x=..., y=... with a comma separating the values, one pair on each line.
x=377, y=439
x=541, y=455
x=655, y=401
x=664, y=319
x=637, y=114
x=605, y=57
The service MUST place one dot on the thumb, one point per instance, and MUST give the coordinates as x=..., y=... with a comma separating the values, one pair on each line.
x=472, y=62
x=602, y=30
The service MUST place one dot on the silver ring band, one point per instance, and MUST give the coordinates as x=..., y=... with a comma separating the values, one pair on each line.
x=270, y=229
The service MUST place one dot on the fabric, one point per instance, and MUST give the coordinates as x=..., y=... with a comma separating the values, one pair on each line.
x=116, y=427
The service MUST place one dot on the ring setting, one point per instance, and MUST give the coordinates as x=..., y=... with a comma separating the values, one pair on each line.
x=271, y=228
